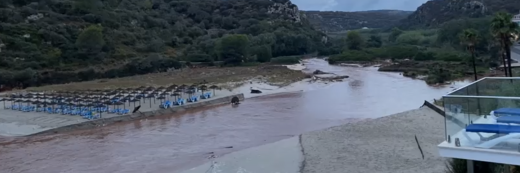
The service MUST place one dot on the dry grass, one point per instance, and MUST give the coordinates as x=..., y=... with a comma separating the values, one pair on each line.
x=276, y=75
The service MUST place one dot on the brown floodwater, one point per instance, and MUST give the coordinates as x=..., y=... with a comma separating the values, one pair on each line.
x=173, y=143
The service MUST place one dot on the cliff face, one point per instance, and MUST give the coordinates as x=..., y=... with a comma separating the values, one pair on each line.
x=330, y=21
x=436, y=12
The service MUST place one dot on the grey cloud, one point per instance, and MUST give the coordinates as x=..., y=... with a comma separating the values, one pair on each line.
x=358, y=5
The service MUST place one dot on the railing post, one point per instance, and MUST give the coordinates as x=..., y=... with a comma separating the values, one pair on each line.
x=470, y=166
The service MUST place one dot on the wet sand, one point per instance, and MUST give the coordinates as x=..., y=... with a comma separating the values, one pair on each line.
x=182, y=141
x=384, y=145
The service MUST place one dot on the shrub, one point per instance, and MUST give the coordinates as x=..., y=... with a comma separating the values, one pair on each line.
x=351, y=55
x=413, y=38
x=456, y=166
x=424, y=56
x=286, y=60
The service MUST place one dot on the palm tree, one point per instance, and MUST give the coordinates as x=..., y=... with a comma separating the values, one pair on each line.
x=470, y=38
x=504, y=28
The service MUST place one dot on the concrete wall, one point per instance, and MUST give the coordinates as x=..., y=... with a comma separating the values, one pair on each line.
x=139, y=115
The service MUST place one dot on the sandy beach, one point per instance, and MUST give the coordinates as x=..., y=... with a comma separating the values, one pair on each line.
x=383, y=145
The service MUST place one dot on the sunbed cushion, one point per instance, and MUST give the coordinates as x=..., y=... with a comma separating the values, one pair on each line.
x=507, y=111
x=509, y=119
x=493, y=128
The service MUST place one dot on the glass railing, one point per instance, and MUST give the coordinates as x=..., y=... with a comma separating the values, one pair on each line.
x=485, y=114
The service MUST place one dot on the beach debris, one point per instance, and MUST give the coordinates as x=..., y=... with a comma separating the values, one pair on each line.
x=320, y=72
x=235, y=100
x=255, y=91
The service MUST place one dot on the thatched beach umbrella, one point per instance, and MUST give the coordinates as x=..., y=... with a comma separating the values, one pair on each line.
x=190, y=92
x=161, y=98
x=150, y=96
x=118, y=103
x=3, y=100
x=175, y=95
x=203, y=88
x=213, y=87
x=135, y=100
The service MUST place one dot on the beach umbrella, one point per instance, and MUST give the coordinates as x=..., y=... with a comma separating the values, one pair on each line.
x=175, y=95
x=135, y=100
x=3, y=100
x=161, y=88
x=203, y=88
x=128, y=97
x=161, y=98
x=123, y=100
x=150, y=96
x=213, y=87
x=36, y=102
x=118, y=104
x=190, y=92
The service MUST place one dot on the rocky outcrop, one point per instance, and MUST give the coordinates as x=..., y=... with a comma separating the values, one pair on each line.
x=288, y=9
x=436, y=12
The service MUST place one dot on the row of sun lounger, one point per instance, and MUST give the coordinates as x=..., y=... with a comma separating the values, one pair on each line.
x=181, y=101
x=86, y=112
x=507, y=127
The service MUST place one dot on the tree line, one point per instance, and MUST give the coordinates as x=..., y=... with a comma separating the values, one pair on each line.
x=51, y=37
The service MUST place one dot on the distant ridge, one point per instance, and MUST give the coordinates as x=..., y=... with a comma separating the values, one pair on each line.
x=337, y=21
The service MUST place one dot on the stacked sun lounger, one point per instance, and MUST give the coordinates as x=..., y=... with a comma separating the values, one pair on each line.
x=193, y=99
x=181, y=101
x=507, y=127
x=167, y=104
x=206, y=95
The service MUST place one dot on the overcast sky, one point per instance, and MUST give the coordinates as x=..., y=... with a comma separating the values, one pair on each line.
x=357, y=5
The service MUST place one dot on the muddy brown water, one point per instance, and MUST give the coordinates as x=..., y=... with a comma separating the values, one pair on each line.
x=181, y=141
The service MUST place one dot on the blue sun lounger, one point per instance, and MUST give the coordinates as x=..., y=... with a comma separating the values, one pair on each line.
x=509, y=119
x=504, y=132
x=507, y=111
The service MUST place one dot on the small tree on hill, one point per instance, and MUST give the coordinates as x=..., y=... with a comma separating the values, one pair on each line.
x=396, y=32
x=233, y=48
x=354, y=40
x=374, y=41
x=91, y=39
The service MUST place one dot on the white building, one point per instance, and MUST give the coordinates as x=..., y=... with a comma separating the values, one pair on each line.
x=483, y=122
x=516, y=19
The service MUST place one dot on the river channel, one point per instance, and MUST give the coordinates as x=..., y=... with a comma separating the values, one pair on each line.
x=178, y=142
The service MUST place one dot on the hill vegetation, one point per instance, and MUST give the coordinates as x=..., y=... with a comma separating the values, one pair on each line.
x=337, y=21
x=57, y=41
x=434, y=13
x=437, y=53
